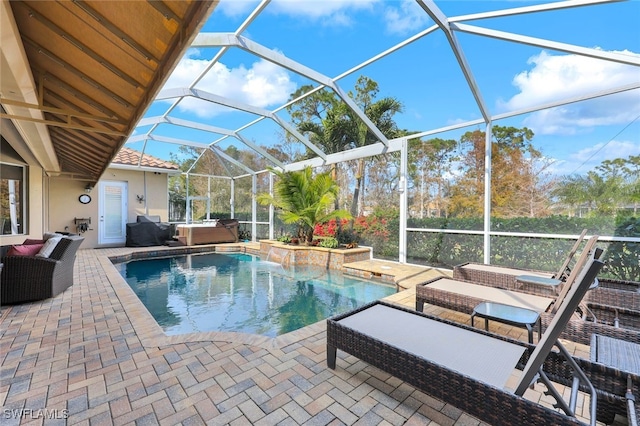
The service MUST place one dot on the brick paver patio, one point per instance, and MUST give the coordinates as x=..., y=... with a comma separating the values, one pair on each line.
x=94, y=356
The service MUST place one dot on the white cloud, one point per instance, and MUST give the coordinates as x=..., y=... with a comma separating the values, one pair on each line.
x=320, y=9
x=329, y=12
x=564, y=76
x=407, y=18
x=610, y=151
x=590, y=157
x=236, y=8
x=263, y=85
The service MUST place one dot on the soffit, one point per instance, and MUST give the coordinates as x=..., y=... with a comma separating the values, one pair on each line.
x=95, y=68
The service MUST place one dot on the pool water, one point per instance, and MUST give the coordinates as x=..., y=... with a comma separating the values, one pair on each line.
x=239, y=292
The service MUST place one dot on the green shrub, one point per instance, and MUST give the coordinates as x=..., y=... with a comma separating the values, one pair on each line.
x=284, y=239
x=329, y=242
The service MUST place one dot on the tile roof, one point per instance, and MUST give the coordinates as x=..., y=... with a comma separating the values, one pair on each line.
x=131, y=157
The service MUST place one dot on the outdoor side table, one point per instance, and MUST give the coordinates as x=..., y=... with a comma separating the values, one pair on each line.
x=547, y=282
x=507, y=314
x=541, y=281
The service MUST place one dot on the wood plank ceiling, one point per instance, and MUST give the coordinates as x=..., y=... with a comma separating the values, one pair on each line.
x=96, y=66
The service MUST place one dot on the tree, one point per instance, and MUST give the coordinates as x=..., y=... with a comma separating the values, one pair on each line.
x=381, y=114
x=304, y=199
x=331, y=125
x=430, y=162
x=517, y=175
x=631, y=172
x=316, y=117
x=609, y=187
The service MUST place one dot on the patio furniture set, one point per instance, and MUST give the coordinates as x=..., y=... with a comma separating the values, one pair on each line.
x=35, y=275
x=460, y=364
x=469, y=367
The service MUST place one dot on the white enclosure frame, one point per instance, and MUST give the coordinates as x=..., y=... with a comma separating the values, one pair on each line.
x=450, y=27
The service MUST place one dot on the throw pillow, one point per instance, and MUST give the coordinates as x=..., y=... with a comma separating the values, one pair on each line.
x=25, y=250
x=48, y=235
x=30, y=241
x=48, y=247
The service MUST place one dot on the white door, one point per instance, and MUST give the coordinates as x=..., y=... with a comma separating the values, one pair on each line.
x=112, y=209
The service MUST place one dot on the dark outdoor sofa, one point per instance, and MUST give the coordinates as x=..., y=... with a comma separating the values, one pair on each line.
x=30, y=278
x=148, y=231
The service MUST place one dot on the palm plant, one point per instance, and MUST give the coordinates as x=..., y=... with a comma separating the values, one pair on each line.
x=333, y=126
x=304, y=199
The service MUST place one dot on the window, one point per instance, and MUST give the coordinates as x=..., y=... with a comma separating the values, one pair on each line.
x=12, y=199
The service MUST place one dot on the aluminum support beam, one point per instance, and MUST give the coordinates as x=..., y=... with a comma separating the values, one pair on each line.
x=217, y=57
x=548, y=44
x=167, y=139
x=187, y=219
x=529, y=9
x=487, y=193
x=220, y=158
x=226, y=39
x=232, y=200
x=164, y=119
x=395, y=144
x=254, y=207
x=436, y=14
x=259, y=150
x=296, y=134
x=240, y=106
x=271, y=208
x=404, y=194
x=230, y=159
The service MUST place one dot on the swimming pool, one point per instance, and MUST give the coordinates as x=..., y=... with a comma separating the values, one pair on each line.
x=239, y=292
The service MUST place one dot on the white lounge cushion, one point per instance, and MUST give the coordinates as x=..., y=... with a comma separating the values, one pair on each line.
x=492, y=294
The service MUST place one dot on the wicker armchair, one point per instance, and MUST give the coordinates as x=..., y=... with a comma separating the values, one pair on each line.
x=29, y=278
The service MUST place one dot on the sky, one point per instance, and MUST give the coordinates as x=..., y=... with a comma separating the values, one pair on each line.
x=333, y=36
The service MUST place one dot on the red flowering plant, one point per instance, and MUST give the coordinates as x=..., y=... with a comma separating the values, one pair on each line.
x=330, y=228
x=342, y=230
x=371, y=226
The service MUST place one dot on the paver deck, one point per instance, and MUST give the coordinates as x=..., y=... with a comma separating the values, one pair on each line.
x=94, y=356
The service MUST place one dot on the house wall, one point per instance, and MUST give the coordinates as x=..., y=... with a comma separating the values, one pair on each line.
x=34, y=215
x=64, y=205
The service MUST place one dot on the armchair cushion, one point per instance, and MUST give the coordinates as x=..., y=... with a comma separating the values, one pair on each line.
x=30, y=241
x=48, y=247
x=25, y=250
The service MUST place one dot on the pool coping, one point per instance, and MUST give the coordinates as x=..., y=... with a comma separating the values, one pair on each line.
x=148, y=329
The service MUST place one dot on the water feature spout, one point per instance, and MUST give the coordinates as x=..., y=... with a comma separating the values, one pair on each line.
x=286, y=260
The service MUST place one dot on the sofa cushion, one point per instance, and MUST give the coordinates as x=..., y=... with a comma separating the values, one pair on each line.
x=49, y=246
x=30, y=241
x=25, y=250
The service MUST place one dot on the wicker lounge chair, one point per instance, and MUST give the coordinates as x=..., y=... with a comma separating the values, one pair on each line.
x=465, y=296
x=468, y=367
x=612, y=309
x=508, y=278
x=623, y=285
x=29, y=278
